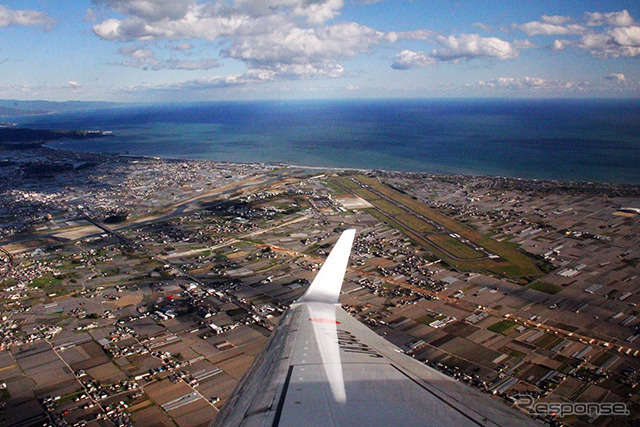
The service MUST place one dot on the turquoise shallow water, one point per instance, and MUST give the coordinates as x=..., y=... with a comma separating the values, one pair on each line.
x=577, y=140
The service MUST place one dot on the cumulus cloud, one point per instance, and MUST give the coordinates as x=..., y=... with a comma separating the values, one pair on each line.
x=151, y=10
x=409, y=59
x=618, y=19
x=468, y=46
x=24, y=17
x=309, y=50
x=611, y=45
x=626, y=36
x=183, y=19
x=563, y=25
x=285, y=38
x=199, y=21
x=602, y=34
x=314, y=12
x=456, y=48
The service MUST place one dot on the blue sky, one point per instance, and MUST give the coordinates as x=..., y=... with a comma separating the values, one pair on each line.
x=190, y=50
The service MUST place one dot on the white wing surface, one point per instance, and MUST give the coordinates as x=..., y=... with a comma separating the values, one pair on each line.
x=321, y=367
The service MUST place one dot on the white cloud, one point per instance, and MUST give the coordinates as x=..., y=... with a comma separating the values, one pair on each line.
x=276, y=39
x=199, y=21
x=606, y=45
x=152, y=10
x=409, y=59
x=289, y=38
x=142, y=57
x=108, y=29
x=524, y=44
x=24, y=17
x=559, y=45
x=468, y=46
x=297, y=45
x=291, y=50
x=531, y=83
x=204, y=83
x=17, y=88
x=457, y=48
x=422, y=35
x=619, y=37
x=626, y=36
x=556, y=19
x=73, y=86
x=613, y=82
x=200, y=84
x=618, y=19
x=550, y=29
x=314, y=12
x=318, y=12
x=616, y=77
x=561, y=25
x=183, y=19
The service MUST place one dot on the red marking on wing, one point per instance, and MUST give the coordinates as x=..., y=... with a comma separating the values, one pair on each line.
x=322, y=320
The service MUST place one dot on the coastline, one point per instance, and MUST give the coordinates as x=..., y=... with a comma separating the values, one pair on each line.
x=547, y=185
x=591, y=141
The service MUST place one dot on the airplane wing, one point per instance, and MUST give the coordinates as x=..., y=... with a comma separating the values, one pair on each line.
x=321, y=367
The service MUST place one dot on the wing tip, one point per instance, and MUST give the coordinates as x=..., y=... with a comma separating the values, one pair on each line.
x=327, y=284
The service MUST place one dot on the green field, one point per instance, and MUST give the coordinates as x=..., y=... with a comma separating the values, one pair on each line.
x=454, y=246
x=548, y=288
x=415, y=223
x=364, y=193
x=45, y=281
x=404, y=215
x=347, y=183
x=547, y=341
x=387, y=207
x=503, y=326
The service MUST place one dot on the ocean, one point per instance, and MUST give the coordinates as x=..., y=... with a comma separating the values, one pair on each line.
x=569, y=140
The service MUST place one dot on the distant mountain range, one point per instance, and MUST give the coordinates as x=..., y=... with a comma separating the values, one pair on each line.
x=11, y=107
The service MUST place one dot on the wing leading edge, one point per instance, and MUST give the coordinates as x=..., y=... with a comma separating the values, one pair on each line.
x=321, y=367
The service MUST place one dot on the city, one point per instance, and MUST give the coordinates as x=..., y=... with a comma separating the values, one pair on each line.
x=139, y=290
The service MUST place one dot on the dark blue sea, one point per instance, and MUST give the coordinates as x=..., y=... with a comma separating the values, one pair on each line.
x=574, y=140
